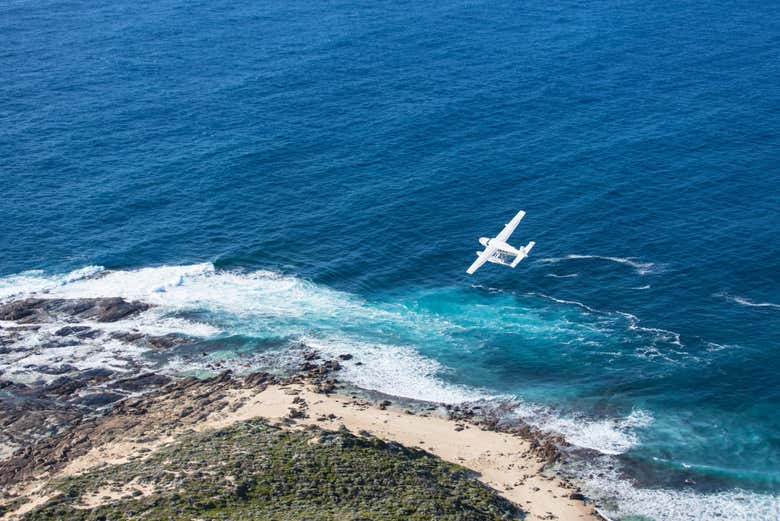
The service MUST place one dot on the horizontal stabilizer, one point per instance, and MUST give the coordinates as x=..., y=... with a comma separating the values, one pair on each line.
x=523, y=253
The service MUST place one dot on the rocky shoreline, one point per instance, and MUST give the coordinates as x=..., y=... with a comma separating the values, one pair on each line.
x=60, y=393
x=57, y=423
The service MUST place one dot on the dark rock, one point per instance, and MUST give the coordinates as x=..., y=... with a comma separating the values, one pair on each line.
x=89, y=333
x=127, y=336
x=577, y=495
x=325, y=386
x=23, y=328
x=99, y=399
x=330, y=365
x=57, y=369
x=345, y=357
x=36, y=310
x=11, y=386
x=223, y=377
x=19, y=309
x=64, y=386
x=138, y=383
x=96, y=375
x=296, y=413
x=58, y=343
x=166, y=341
x=70, y=330
x=257, y=379
x=113, y=309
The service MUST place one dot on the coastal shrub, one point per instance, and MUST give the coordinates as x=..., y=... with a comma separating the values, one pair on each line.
x=254, y=470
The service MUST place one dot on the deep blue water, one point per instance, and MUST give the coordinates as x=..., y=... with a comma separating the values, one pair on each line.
x=360, y=150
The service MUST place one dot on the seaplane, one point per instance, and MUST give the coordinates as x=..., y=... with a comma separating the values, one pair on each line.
x=498, y=251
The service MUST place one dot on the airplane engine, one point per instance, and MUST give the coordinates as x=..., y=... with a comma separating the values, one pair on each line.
x=484, y=241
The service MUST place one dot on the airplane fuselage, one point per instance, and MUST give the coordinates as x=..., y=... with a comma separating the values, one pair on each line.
x=500, y=245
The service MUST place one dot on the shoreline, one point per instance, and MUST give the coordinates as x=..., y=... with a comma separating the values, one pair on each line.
x=513, y=466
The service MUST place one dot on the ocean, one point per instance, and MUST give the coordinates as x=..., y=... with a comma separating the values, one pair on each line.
x=271, y=173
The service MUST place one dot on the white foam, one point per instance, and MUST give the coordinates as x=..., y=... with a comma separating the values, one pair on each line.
x=159, y=285
x=36, y=281
x=663, y=335
x=28, y=360
x=200, y=287
x=269, y=305
x=568, y=276
x=610, y=436
x=749, y=303
x=569, y=302
x=395, y=370
x=622, y=499
x=154, y=322
x=241, y=363
x=642, y=268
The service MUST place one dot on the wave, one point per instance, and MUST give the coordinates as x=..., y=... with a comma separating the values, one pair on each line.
x=642, y=268
x=654, y=336
x=665, y=335
x=568, y=276
x=390, y=341
x=36, y=281
x=624, y=500
x=396, y=370
x=608, y=436
x=567, y=302
x=262, y=305
x=749, y=303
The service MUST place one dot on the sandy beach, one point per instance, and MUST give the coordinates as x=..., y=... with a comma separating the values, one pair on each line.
x=504, y=462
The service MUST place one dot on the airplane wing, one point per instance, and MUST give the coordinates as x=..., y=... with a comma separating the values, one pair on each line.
x=481, y=259
x=510, y=227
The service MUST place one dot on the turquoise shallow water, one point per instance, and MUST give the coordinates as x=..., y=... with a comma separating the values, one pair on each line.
x=321, y=172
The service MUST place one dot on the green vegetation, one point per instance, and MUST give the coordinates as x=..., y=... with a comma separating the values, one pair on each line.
x=257, y=471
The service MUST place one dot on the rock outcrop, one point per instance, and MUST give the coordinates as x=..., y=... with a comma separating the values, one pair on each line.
x=39, y=310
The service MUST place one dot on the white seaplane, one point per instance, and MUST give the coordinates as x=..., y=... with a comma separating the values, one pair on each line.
x=498, y=251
